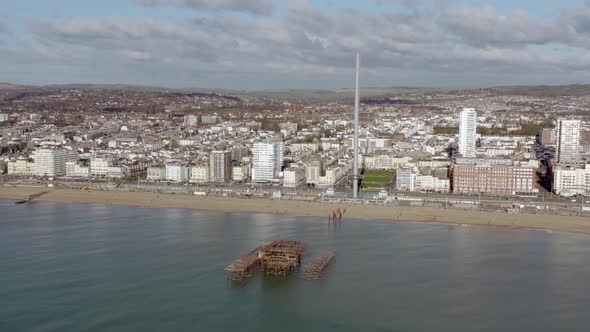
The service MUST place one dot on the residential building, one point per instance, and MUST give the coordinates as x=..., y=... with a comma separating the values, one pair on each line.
x=241, y=172
x=176, y=172
x=406, y=179
x=51, y=162
x=571, y=180
x=267, y=161
x=293, y=176
x=313, y=172
x=21, y=166
x=568, y=141
x=220, y=167
x=77, y=169
x=547, y=136
x=493, y=179
x=156, y=173
x=4, y=117
x=200, y=173
x=468, y=133
x=191, y=120
x=99, y=166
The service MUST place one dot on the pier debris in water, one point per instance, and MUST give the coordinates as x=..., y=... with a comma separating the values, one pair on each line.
x=319, y=265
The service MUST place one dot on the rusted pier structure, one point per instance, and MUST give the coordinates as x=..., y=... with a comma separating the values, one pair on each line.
x=245, y=266
x=319, y=265
x=281, y=257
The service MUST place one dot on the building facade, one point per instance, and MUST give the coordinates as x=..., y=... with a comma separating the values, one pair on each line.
x=495, y=180
x=468, y=133
x=200, y=173
x=571, y=180
x=51, y=162
x=176, y=172
x=220, y=167
x=568, y=141
x=267, y=160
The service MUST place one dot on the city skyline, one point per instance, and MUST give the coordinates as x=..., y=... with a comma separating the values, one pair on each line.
x=266, y=44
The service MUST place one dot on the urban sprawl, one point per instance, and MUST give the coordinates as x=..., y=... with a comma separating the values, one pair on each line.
x=417, y=147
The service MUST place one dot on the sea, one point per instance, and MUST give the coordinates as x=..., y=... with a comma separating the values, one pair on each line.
x=83, y=267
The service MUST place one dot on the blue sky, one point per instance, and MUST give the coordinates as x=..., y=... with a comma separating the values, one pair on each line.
x=266, y=44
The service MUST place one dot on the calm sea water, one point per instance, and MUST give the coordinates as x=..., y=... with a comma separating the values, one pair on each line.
x=71, y=267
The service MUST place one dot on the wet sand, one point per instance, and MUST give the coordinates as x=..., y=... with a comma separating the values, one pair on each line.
x=254, y=205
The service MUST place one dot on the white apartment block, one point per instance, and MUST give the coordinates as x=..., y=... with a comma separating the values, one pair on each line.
x=191, y=120
x=241, y=173
x=22, y=167
x=468, y=133
x=176, y=172
x=51, y=162
x=199, y=174
x=267, y=160
x=406, y=179
x=568, y=141
x=77, y=170
x=313, y=171
x=432, y=183
x=385, y=162
x=293, y=176
x=333, y=174
x=117, y=172
x=156, y=173
x=571, y=181
x=99, y=166
x=4, y=117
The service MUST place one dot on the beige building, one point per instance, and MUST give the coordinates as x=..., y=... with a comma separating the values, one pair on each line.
x=20, y=166
x=199, y=174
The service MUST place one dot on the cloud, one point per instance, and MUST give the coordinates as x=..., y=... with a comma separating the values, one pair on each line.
x=425, y=43
x=257, y=7
x=483, y=25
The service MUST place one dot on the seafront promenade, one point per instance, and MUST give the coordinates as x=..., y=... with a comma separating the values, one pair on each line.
x=317, y=209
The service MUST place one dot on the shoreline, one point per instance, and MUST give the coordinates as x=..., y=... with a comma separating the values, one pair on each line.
x=316, y=209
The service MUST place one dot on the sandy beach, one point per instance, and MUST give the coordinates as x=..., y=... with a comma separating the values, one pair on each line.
x=363, y=212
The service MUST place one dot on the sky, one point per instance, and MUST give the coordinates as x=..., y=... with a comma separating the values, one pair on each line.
x=279, y=44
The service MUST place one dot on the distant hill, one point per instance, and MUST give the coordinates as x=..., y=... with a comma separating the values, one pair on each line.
x=574, y=90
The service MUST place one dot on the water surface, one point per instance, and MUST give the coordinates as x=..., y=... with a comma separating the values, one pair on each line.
x=75, y=267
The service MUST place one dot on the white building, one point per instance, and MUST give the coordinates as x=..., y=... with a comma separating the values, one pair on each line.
x=406, y=178
x=293, y=176
x=156, y=173
x=432, y=183
x=77, y=170
x=117, y=172
x=21, y=166
x=241, y=172
x=385, y=162
x=4, y=117
x=99, y=166
x=571, y=181
x=313, y=171
x=176, y=172
x=468, y=133
x=568, y=141
x=199, y=173
x=267, y=160
x=51, y=162
x=191, y=120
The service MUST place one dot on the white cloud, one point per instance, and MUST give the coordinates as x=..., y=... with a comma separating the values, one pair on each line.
x=258, y=7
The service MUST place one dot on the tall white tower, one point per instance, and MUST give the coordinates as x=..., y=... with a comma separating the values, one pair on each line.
x=568, y=141
x=355, y=175
x=267, y=160
x=468, y=133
